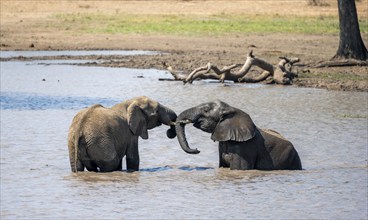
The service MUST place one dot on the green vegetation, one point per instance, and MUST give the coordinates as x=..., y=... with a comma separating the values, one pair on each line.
x=196, y=24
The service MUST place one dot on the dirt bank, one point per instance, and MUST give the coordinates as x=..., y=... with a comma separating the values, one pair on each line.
x=22, y=22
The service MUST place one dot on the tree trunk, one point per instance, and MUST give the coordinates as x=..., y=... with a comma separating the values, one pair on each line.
x=351, y=44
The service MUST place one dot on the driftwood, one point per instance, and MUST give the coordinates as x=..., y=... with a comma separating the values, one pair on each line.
x=280, y=74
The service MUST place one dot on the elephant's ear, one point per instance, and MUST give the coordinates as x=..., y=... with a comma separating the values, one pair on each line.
x=234, y=126
x=137, y=121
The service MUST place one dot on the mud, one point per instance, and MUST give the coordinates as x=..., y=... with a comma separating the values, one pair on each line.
x=188, y=61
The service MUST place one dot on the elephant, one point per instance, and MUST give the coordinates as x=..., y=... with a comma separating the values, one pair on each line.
x=242, y=145
x=100, y=137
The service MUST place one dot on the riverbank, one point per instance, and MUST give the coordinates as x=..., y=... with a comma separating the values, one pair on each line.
x=79, y=25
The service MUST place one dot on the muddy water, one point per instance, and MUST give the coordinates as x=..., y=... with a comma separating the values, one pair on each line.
x=38, y=102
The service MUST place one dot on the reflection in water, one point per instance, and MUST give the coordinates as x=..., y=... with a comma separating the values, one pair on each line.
x=188, y=168
x=36, y=181
x=165, y=168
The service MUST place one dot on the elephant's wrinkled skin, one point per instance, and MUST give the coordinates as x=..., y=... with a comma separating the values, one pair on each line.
x=100, y=137
x=242, y=145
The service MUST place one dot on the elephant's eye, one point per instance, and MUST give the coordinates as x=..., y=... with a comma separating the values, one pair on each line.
x=154, y=113
x=206, y=109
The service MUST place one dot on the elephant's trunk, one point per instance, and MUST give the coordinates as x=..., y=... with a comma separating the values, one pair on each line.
x=184, y=118
x=168, y=117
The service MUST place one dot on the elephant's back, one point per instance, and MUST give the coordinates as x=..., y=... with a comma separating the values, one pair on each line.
x=281, y=150
x=275, y=142
x=104, y=128
x=103, y=120
x=76, y=124
x=272, y=135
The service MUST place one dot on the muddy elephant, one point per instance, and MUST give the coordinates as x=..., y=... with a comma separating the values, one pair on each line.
x=242, y=145
x=100, y=137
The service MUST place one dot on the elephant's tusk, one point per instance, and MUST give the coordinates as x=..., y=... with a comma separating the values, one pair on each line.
x=186, y=121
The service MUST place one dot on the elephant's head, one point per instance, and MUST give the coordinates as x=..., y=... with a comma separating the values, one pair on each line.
x=224, y=122
x=144, y=113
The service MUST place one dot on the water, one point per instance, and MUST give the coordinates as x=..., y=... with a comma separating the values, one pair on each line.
x=38, y=102
x=9, y=54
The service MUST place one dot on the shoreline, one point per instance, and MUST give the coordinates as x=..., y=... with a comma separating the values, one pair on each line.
x=186, y=61
x=45, y=25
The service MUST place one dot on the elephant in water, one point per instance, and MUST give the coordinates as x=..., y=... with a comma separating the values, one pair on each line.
x=100, y=137
x=242, y=145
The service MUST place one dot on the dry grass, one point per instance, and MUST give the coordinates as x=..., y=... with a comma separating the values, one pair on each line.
x=15, y=9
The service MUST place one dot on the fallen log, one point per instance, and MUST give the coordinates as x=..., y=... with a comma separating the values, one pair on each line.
x=280, y=74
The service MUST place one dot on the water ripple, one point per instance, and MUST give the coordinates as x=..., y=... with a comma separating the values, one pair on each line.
x=27, y=101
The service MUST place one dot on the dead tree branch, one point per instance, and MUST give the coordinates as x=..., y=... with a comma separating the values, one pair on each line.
x=280, y=74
